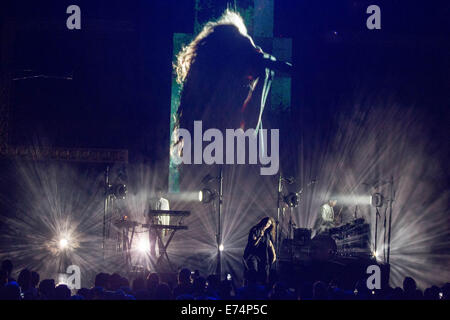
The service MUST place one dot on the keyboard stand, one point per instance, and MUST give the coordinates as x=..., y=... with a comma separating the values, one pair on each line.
x=127, y=240
x=163, y=250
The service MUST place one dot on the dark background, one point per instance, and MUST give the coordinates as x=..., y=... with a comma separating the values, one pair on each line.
x=120, y=66
x=120, y=62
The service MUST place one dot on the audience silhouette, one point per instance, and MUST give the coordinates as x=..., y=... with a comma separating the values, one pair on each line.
x=194, y=286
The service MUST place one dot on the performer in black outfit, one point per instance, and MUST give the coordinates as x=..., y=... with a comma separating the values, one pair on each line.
x=259, y=253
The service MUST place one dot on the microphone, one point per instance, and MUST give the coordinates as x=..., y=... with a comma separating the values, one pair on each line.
x=272, y=63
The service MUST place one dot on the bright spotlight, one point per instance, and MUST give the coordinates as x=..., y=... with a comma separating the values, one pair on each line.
x=375, y=255
x=221, y=247
x=206, y=195
x=63, y=243
x=143, y=246
x=62, y=278
x=377, y=200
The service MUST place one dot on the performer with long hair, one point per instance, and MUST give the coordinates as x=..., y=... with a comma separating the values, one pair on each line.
x=259, y=254
x=219, y=71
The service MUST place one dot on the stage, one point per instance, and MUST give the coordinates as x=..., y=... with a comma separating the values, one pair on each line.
x=226, y=137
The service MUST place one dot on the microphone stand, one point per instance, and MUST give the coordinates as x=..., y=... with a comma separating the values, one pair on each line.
x=105, y=209
x=219, y=227
x=391, y=183
x=279, y=200
x=291, y=224
x=377, y=213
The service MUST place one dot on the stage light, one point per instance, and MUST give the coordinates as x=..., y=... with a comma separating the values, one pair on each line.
x=62, y=279
x=63, y=243
x=120, y=191
x=206, y=195
x=221, y=247
x=292, y=200
x=143, y=246
x=377, y=200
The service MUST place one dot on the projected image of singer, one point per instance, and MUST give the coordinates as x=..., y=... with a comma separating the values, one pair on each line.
x=219, y=71
x=259, y=254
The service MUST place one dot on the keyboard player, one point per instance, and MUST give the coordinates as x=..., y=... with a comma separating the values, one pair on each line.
x=158, y=203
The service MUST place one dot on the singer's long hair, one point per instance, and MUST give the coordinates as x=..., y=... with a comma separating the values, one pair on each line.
x=217, y=71
x=272, y=228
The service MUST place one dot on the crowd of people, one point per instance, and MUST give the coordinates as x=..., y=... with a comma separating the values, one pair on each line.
x=193, y=286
